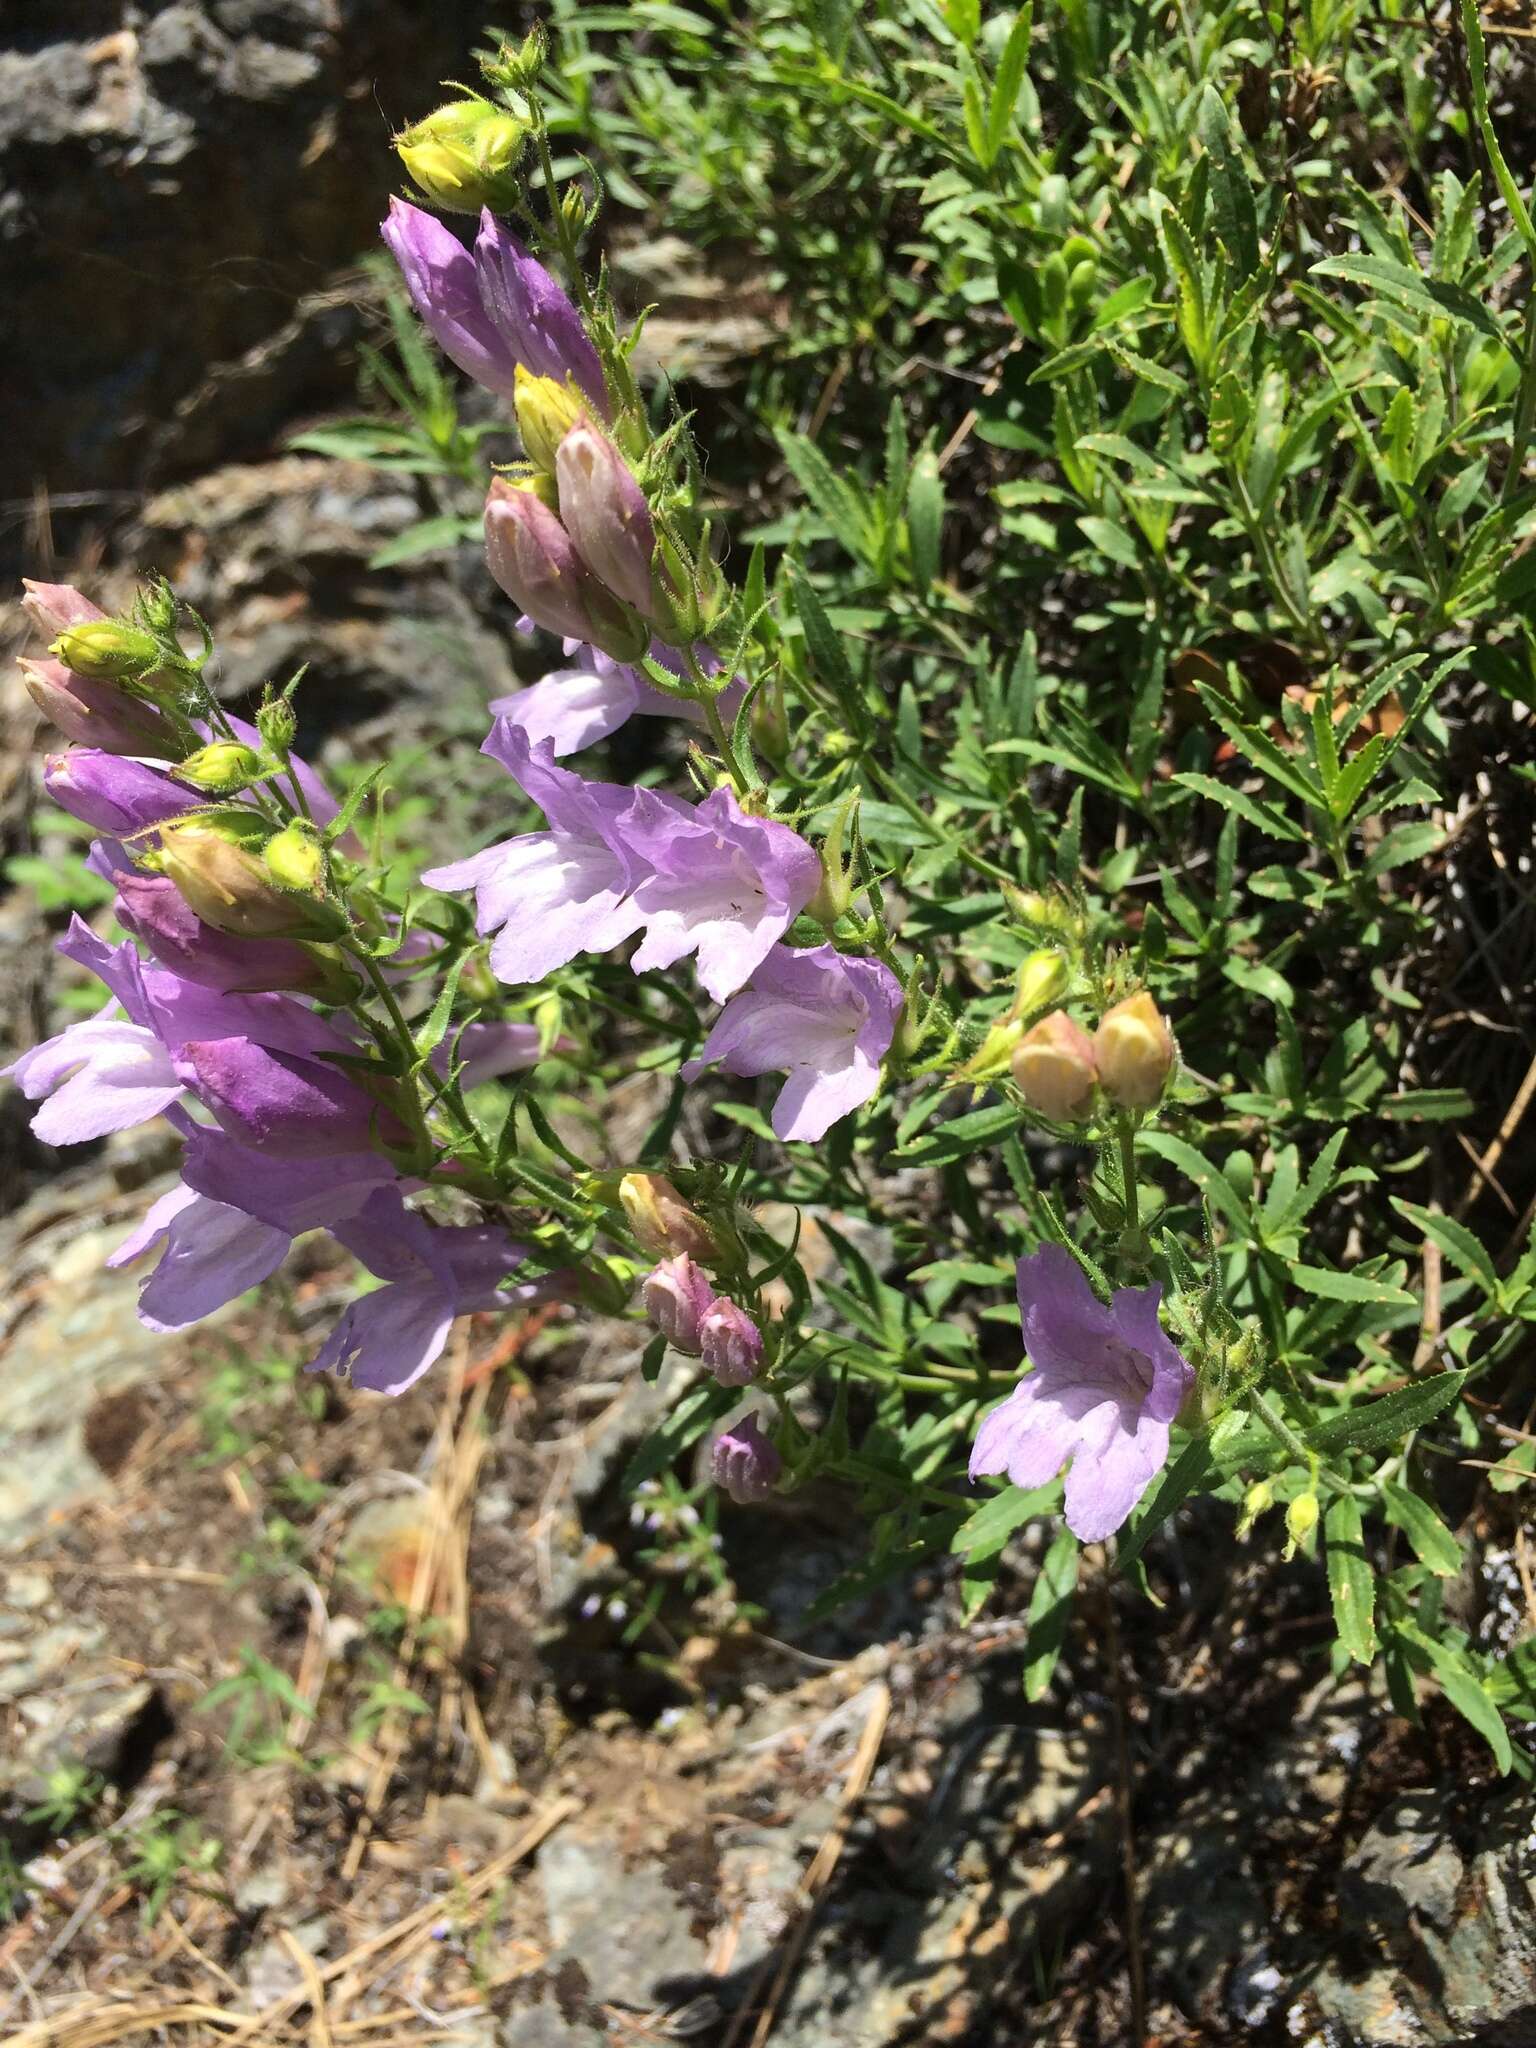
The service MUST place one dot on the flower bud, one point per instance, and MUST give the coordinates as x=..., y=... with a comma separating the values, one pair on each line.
x=662, y=1221
x=216, y=863
x=547, y=411
x=98, y=714
x=532, y=319
x=223, y=768
x=464, y=155
x=116, y=795
x=1258, y=1500
x=156, y=912
x=834, y=894
x=1053, y=1067
x=53, y=606
x=605, y=513
x=277, y=726
x=1042, y=980
x=295, y=859
x=730, y=1343
x=1300, y=1521
x=107, y=650
x=743, y=1463
x=532, y=557
x=677, y=1295
x=1134, y=1051
x=769, y=721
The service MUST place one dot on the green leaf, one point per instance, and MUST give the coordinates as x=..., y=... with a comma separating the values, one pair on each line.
x=925, y=518
x=1335, y=1286
x=1426, y=295
x=1265, y=816
x=1459, y=1244
x=959, y=1138
x=1050, y=1608
x=1433, y=1543
x=838, y=502
x=1011, y=67
x=1388, y=1420
x=1351, y=1582
x=989, y=1529
x=1209, y=1179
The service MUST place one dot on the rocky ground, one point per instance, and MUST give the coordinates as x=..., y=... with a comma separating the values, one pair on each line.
x=326, y=1719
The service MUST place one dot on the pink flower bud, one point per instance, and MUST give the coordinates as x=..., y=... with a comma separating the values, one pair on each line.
x=532, y=557
x=743, y=1463
x=1134, y=1050
x=677, y=1297
x=605, y=513
x=730, y=1343
x=1054, y=1068
x=54, y=606
x=98, y=714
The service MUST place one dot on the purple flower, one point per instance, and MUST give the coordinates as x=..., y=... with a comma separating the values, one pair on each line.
x=605, y=513
x=389, y=1338
x=97, y=714
x=730, y=1343
x=576, y=707
x=825, y=1018
x=112, y=793
x=533, y=315
x=744, y=1463
x=715, y=882
x=678, y=1295
x=111, y=1072
x=292, y=1194
x=282, y=1103
x=443, y=280
x=534, y=559
x=211, y=1255
x=485, y=1050
x=557, y=893
x=493, y=308
x=1106, y=1384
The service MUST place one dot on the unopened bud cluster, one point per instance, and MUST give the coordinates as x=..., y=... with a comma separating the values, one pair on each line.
x=1061, y=1072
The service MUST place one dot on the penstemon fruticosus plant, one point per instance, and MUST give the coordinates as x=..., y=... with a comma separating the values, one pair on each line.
x=919, y=955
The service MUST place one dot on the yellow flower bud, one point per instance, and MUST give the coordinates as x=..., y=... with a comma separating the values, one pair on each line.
x=1043, y=980
x=1053, y=1067
x=216, y=862
x=1300, y=1521
x=464, y=155
x=992, y=1056
x=1258, y=1500
x=106, y=650
x=1134, y=1051
x=223, y=768
x=295, y=859
x=662, y=1221
x=546, y=412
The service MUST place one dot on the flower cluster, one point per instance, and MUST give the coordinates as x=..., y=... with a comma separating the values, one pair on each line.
x=314, y=1043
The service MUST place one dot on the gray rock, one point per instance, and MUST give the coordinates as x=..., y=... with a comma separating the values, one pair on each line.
x=631, y=1932
x=1445, y=1906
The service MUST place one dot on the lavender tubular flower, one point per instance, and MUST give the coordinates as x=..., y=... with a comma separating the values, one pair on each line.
x=389, y=1338
x=532, y=557
x=677, y=1298
x=606, y=515
x=743, y=1463
x=1107, y=1382
x=824, y=1018
x=283, y=1103
x=52, y=607
x=715, y=882
x=533, y=315
x=210, y=1255
x=113, y=794
x=554, y=894
x=730, y=1343
x=441, y=276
